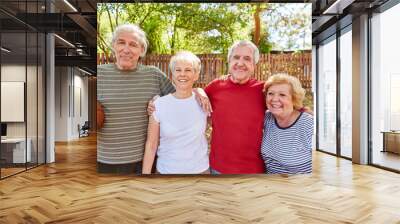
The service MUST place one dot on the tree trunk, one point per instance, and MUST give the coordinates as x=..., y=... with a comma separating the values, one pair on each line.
x=257, y=26
x=117, y=14
x=102, y=44
x=109, y=19
x=174, y=36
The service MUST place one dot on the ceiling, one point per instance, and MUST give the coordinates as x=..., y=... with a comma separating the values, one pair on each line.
x=73, y=21
x=330, y=15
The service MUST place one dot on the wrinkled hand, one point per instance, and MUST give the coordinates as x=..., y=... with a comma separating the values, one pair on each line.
x=150, y=106
x=202, y=99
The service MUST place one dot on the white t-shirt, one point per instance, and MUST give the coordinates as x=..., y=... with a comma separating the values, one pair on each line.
x=183, y=144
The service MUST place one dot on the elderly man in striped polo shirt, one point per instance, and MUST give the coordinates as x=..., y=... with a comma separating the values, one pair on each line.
x=123, y=91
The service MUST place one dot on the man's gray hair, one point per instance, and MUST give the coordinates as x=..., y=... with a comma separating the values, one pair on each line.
x=256, y=52
x=136, y=31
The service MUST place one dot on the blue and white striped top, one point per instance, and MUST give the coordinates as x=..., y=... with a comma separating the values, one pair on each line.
x=287, y=150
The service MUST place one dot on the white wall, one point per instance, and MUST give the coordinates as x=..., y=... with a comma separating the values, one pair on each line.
x=62, y=80
x=70, y=84
x=14, y=73
x=33, y=127
x=81, y=84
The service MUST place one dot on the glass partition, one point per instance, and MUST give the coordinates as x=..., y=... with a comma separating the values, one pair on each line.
x=13, y=93
x=346, y=93
x=22, y=88
x=327, y=96
x=385, y=89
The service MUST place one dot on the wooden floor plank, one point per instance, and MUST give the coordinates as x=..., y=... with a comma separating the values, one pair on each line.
x=71, y=191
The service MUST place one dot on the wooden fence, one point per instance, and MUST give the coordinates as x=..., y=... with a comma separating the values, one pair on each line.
x=214, y=65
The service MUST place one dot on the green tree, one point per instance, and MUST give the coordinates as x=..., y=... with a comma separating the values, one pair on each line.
x=202, y=27
x=288, y=26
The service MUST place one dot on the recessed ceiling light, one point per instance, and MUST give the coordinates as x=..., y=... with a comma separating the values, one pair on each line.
x=338, y=6
x=86, y=72
x=70, y=5
x=64, y=40
x=5, y=50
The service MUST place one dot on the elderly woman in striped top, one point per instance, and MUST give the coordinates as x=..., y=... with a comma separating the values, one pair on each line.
x=287, y=141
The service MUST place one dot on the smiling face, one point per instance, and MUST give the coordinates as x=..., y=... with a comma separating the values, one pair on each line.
x=127, y=50
x=241, y=64
x=279, y=100
x=184, y=75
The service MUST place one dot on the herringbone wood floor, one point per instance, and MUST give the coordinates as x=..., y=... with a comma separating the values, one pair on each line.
x=70, y=191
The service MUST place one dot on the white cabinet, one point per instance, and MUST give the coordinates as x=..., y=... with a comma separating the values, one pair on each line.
x=18, y=149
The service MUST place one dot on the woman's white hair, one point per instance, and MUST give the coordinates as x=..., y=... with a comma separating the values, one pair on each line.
x=256, y=52
x=136, y=31
x=185, y=56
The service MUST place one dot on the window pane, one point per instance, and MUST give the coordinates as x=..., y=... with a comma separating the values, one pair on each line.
x=327, y=97
x=14, y=146
x=386, y=89
x=346, y=94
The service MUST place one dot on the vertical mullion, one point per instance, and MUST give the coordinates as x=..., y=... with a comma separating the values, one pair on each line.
x=0, y=93
x=37, y=90
x=26, y=87
x=45, y=86
x=73, y=91
x=316, y=96
x=369, y=88
x=338, y=98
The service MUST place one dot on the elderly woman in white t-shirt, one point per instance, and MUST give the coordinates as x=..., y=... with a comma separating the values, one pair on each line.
x=176, y=130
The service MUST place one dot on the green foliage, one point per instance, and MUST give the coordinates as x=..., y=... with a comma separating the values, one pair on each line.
x=309, y=100
x=199, y=27
x=289, y=26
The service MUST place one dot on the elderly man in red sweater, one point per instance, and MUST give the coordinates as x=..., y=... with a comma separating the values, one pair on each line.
x=239, y=107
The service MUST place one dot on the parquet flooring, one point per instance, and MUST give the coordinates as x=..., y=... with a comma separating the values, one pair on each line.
x=70, y=191
x=387, y=159
x=11, y=170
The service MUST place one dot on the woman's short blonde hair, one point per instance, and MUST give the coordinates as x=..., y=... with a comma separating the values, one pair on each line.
x=296, y=90
x=185, y=56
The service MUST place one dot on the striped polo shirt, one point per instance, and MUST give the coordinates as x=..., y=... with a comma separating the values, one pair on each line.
x=287, y=150
x=124, y=95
